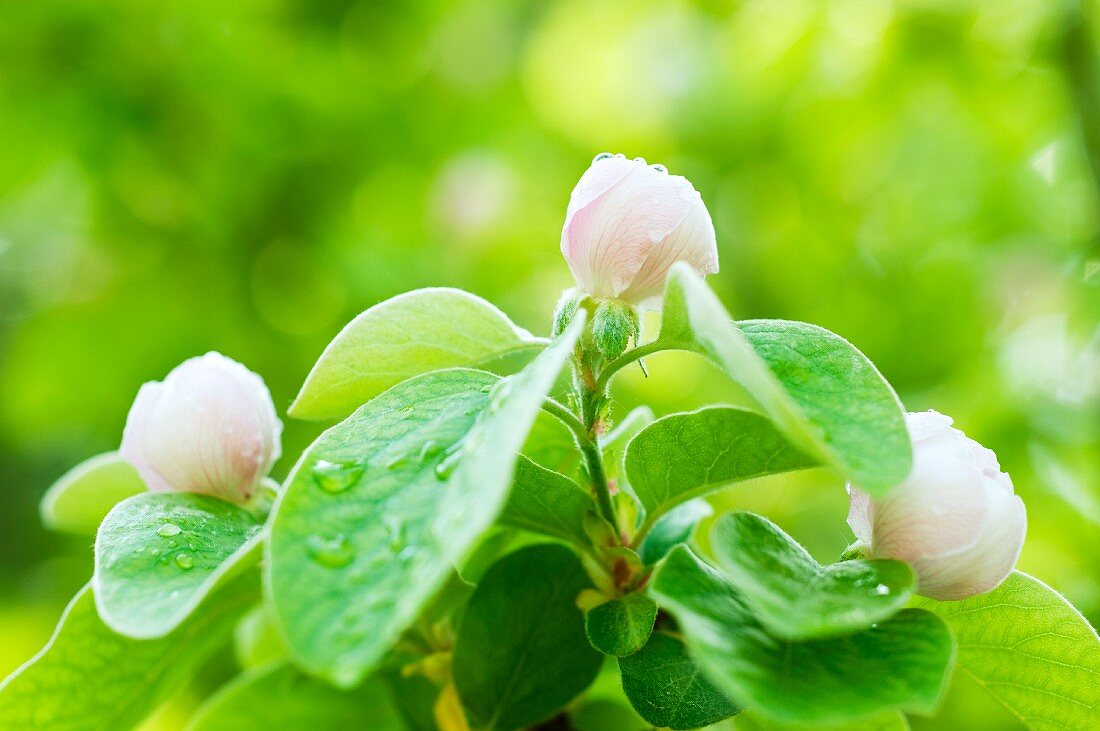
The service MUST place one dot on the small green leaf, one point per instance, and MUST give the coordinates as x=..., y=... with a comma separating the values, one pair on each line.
x=902, y=663
x=542, y=501
x=1031, y=650
x=88, y=678
x=795, y=597
x=613, y=444
x=521, y=652
x=413, y=333
x=666, y=688
x=256, y=641
x=383, y=505
x=83, y=496
x=684, y=456
x=824, y=394
x=673, y=528
x=277, y=696
x=621, y=626
x=157, y=555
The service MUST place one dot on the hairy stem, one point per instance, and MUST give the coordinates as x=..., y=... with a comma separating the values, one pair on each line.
x=624, y=360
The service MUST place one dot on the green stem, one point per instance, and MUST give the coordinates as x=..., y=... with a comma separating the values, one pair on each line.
x=1083, y=78
x=643, y=531
x=654, y=346
x=594, y=462
x=568, y=418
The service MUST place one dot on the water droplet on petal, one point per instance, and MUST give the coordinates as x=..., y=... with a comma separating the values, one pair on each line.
x=168, y=529
x=659, y=168
x=336, y=477
x=184, y=561
x=334, y=553
x=602, y=156
x=640, y=159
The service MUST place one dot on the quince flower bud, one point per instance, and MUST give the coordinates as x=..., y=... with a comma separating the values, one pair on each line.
x=209, y=427
x=955, y=518
x=626, y=225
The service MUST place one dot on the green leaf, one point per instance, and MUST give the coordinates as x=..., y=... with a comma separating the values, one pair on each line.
x=256, y=640
x=1028, y=646
x=684, y=456
x=413, y=333
x=622, y=625
x=602, y=714
x=521, y=652
x=277, y=696
x=673, y=528
x=157, y=555
x=550, y=444
x=613, y=444
x=542, y=501
x=83, y=496
x=382, y=506
x=794, y=596
x=901, y=664
x=821, y=391
x=89, y=678
x=666, y=688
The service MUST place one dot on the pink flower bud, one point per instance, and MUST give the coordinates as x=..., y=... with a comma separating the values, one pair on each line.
x=955, y=518
x=209, y=427
x=628, y=223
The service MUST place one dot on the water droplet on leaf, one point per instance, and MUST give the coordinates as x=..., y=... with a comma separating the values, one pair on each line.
x=336, y=477
x=168, y=529
x=334, y=552
x=184, y=561
x=882, y=589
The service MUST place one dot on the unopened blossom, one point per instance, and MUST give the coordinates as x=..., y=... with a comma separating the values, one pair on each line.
x=955, y=518
x=626, y=225
x=208, y=427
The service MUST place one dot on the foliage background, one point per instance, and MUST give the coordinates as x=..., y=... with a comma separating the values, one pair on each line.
x=916, y=175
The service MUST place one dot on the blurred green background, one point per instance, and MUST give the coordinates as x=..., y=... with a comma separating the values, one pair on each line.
x=920, y=176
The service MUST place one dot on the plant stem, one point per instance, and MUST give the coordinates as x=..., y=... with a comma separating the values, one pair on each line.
x=593, y=460
x=624, y=360
x=568, y=418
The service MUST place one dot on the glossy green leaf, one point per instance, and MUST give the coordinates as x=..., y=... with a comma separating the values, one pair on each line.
x=82, y=497
x=684, y=456
x=521, y=653
x=383, y=505
x=157, y=555
x=903, y=663
x=543, y=501
x=794, y=596
x=673, y=528
x=824, y=394
x=1031, y=649
x=277, y=696
x=412, y=333
x=666, y=688
x=88, y=678
x=622, y=625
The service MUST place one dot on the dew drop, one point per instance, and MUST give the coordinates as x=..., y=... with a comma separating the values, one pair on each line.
x=602, y=156
x=659, y=168
x=399, y=461
x=397, y=533
x=336, y=477
x=184, y=561
x=168, y=529
x=882, y=590
x=640, y=159
x=334, y=553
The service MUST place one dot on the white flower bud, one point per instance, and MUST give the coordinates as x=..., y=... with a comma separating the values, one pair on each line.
x=628, y=223
x=955, y=518
x=209, y=427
